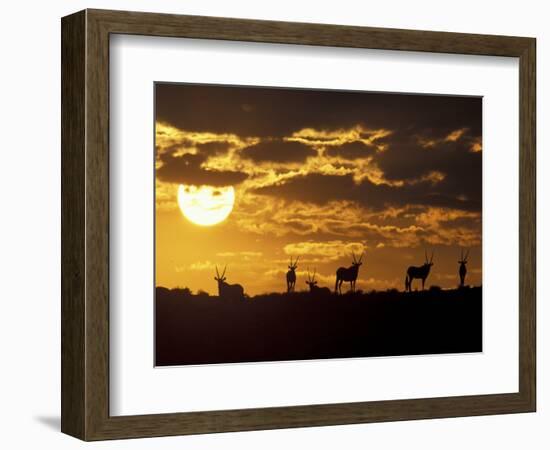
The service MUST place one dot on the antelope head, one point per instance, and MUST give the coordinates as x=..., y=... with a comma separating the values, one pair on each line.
x=464, y=257
x=311, y=279
x=428, y=263
x=218, y=278
x=293, y=265
x=357, y=262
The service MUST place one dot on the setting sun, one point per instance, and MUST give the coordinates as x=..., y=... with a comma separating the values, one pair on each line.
x=206, y=205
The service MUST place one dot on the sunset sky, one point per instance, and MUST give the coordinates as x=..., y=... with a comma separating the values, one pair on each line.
x=317, y=174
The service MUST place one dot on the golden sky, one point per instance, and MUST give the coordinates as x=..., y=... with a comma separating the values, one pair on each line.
x=319, y=175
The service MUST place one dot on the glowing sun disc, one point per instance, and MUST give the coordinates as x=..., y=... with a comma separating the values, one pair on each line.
x=206, y=205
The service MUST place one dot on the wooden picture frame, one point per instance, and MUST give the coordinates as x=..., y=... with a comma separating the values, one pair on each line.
x=85, y=224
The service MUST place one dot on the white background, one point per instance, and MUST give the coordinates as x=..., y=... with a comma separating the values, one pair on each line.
x=136, y=387
x=30, y=231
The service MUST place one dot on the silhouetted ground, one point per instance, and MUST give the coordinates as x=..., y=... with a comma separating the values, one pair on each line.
x=202, y=329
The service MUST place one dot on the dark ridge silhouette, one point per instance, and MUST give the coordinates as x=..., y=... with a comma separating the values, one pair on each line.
x=462, y=270
x=348, y=274
x=203, y=329
x=291, y=275
x=420, y=272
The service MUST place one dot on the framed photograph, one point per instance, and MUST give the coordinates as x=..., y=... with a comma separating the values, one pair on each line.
x=270, y=224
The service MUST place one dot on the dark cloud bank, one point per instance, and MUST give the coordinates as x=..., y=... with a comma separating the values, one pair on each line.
x=272, y=114
x=278, y=151
x=187, y=169
x=321, y=189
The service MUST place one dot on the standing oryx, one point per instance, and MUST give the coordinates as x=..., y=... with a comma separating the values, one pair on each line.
x=228, y=291
x=313, y=288
x=462, y=269
x=421, y=272
x=348, y=274
x=291, y=275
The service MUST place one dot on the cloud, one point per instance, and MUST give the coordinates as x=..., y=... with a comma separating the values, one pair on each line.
x=178, y=141
x=278, y=151
x=328, y=250
x=243, y=256
x=396, y=227
x=213, y=148
x=476, y=145
x=456, y=155
x=165, y=196
x=455, y=135
x=352, y=150
x=187, y=169
x=199, y=266
x=274, y=112
x=321, y=189
x=368, y=166
x=377, y=168
x=355, y=132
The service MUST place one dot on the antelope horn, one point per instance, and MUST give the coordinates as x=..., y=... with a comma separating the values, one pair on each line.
x=224, y=269
x=466, y=255
x=432, y=258
x=361, y=257
x=296, y=262
x=426, y=255
x=314, y=272
x=353, y=256
x=217, y=273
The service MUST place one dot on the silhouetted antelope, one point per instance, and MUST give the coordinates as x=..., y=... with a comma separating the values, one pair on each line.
x=462, y=269
x=291, y=275
x=225, y=290
x=313, y=288
x=421, y=272
x=348, y=274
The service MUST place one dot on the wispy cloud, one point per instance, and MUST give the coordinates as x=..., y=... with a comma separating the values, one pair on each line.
x=199, y=266
x=328, y=250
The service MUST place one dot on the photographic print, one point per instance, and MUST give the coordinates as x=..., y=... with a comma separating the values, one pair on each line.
x=302, y=224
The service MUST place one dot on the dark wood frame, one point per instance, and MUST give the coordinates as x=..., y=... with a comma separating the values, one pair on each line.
x=85, y=224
